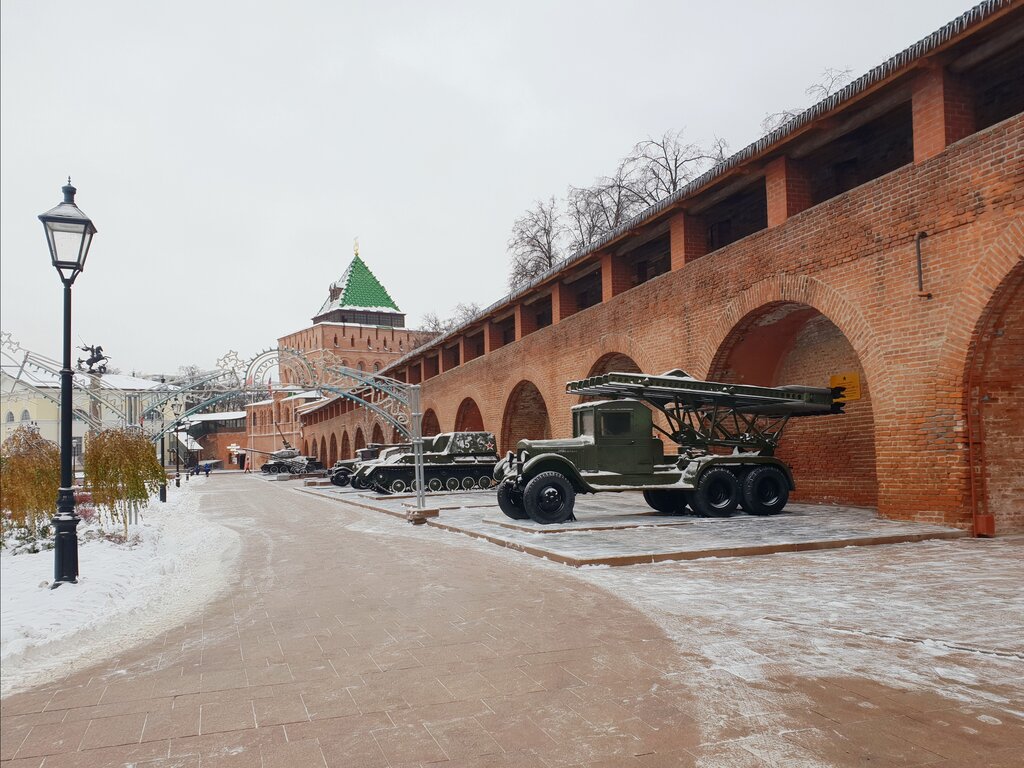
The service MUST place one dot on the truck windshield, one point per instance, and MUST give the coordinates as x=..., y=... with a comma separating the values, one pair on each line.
x=586, y=423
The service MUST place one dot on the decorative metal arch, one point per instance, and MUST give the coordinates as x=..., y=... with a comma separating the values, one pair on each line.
x=393, y=402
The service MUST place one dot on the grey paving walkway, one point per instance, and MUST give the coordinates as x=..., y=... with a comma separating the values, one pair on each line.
x=350, y=638
x=621, y=529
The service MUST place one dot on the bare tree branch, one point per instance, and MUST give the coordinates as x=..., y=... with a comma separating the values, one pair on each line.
x=535, y=242
x=832, y=80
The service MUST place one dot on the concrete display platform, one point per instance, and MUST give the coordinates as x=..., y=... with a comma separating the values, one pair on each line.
x=620, y=529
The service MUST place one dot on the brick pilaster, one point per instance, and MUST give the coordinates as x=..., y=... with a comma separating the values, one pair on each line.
x=943, y=108
x=687, y=239
x=788, y=189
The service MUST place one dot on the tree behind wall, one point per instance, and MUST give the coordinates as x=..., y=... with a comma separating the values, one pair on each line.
x=122, y=472
x=29, y=479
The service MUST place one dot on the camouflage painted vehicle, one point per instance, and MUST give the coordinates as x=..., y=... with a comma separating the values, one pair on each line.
x=613, y=447
x=452, y=461
x=341, y=473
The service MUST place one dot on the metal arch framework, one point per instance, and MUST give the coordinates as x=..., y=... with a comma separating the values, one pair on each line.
x=394, y=402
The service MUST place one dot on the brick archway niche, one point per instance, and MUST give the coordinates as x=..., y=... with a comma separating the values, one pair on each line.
x=346, y=446
x=785, y=342
x=360, y=440
x=305, y=447
x=378, y=435
x=323, y=449
x=430, y=426
x=994, y=388
x=469, y=418
x=525, y=416
x=615, y=362
x=332, y=451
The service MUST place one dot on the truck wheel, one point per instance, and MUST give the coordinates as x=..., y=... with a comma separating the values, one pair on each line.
x=549, y=498
x=398, y=485
x=434, y=484
x=511, y=502
x=484, y=482
x=340, y=479
x=668, y=502
x=765, y=491
x=717, y=494
x=451, y=484
x=468, y=483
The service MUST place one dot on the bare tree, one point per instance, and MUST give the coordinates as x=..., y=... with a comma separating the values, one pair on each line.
x=535, y=242
x=463, y=313
x=832, y=80
x=664, y=165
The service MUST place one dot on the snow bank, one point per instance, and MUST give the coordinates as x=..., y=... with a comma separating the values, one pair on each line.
x=126, y=595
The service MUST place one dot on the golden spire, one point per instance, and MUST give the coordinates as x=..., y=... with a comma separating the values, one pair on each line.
x=355, y=246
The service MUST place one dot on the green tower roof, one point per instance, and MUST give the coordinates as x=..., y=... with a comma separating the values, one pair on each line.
x=358, y=288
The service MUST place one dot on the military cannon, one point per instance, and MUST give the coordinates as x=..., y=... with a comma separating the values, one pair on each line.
x=613, y=447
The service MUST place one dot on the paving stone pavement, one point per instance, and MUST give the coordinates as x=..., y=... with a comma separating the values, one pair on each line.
x=350, y=638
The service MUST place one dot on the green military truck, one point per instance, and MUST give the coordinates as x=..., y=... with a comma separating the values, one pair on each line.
x=613, y=447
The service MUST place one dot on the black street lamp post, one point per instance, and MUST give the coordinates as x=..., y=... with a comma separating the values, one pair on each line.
x=69, y=234
x=176, y=410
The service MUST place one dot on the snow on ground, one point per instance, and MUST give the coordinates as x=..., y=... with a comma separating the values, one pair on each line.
x=126, y=594
x=941, y=617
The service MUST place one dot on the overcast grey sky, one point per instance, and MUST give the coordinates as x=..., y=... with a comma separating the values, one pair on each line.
x=229, y=152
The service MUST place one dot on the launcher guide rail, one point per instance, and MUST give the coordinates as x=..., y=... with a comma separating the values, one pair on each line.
x=702, y=414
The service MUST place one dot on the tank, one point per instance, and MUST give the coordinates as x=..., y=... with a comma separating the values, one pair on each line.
x=452, y=461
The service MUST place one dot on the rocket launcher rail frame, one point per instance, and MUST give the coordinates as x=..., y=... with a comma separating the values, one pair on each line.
x=708, y=413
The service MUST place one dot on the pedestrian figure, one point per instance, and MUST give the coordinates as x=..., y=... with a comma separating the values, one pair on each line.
x=246, y=463
x=206, y=469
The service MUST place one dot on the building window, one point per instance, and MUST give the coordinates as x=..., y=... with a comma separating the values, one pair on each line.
x=361, y=367
x=10, y=417
x=25, y=415
x=376, y=367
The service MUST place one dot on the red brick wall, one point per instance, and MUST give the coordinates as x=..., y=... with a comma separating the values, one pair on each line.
x=853, y=260
x=215, y=446
x=833, y=457
x=1001, y=397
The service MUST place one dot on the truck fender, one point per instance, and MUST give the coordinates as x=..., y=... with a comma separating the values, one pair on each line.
x=552, y=462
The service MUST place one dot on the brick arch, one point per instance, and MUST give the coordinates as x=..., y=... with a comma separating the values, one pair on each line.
x=469, y=418
x=785, y=342
x=332, y=450
x=346, y=446
x=621, y=344
x=430, y=425
x=1001, y=258
x=993, y=401
x=323, y=449
x=378, y=434
x=525, y=416
x=796, y=289
x=360, y=440
x=305, y=447
x=615, y=361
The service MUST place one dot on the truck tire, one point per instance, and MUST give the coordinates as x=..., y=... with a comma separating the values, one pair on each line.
x=549, y=498
x=668, y=502
x=765, y=490
x=451, y=484
x=398, y=485
x=717, y=493
x=340, y=479
x=511, y=502
x=434, y=484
